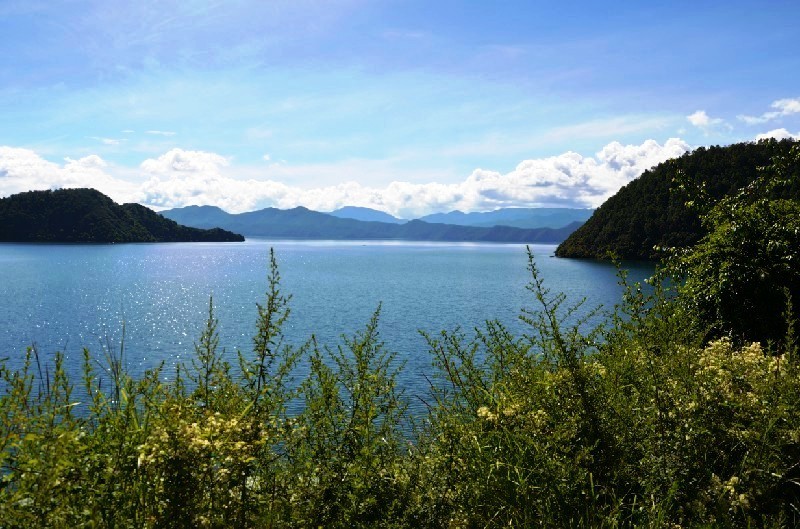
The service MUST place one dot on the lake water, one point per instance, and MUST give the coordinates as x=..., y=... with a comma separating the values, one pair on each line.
x=67, y=297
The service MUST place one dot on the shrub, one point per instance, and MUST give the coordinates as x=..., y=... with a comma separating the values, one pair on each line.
x=739, y=277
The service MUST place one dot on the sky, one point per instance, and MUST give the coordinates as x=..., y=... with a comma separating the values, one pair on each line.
x=409, y=107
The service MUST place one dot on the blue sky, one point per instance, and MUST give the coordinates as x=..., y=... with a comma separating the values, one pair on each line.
x=410, y=107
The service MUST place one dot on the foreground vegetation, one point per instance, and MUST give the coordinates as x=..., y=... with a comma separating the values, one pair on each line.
x=679, y=412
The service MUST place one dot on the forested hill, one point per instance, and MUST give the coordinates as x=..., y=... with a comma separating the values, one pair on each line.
x=86, y=215
x=651, y=211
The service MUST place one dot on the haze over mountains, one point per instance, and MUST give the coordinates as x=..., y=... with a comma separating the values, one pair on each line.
x=364, y=223
x=365, y=214
x=528, y=218
x=514, y=217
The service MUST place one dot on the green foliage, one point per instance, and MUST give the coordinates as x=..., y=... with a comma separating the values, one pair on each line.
x=347, y=447
x=651, y=213
x=739, y=277
x=641, y=428
x=515, y=436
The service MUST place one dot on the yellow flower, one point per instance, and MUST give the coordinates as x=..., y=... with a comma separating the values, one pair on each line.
x=484, y=413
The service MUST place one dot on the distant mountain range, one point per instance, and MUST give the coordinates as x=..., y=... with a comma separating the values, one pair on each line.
x=302, y=223
x=86, y=215
x=527, y=218
x=514, y=217
x=365, y=214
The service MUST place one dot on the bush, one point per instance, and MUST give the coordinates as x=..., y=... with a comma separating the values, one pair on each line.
x=742, y=276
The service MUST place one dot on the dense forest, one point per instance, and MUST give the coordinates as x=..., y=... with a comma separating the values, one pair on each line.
x=86, y=215
x=681, y=410
x=651, y=213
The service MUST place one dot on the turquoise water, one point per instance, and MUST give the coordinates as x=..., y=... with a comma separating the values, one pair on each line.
x=67, y=297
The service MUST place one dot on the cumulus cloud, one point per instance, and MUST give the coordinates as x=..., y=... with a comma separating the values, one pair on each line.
x=782, y=107
x=181, y=177
x=24, y=170
x=567, y=179
x=699, y=119
x=778, y=134
x=702, y=120
x=192, y=177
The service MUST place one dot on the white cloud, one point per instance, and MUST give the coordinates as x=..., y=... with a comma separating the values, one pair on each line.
x=567, y=179
x=177, y=162
x=191, y=177
x=160, y=132
x=755, y=120
x=180, y=178
x=783, y=107
x=24, y=170
x=778, y=134
x=107, y=141
x=705, y=122
x=787, y=106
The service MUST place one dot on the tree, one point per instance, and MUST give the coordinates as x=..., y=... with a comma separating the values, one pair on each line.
x=742, y=276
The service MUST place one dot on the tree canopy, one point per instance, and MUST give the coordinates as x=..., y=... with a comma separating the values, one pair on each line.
x=651, y=212
x=743, y=275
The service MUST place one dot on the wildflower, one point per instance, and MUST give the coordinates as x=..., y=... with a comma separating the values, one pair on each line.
x=484, y=413
x=510, y=411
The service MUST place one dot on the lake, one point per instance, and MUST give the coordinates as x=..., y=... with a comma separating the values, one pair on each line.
x=67, y=297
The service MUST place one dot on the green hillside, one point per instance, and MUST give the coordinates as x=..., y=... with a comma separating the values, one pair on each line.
x=651, y=211
x=86, y=215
